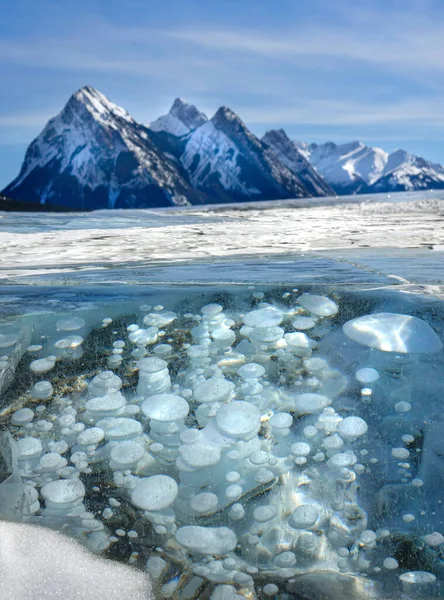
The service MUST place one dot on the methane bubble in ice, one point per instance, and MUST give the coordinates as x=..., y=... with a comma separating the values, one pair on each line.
x=154, y=493
x=310, y=403
x=352, y=427
x=238, y=420
x=165, y=408
x=263, y=318
x=391, y=332
x=70, y=324
x=236, y=449
x=304, y=517
x=207, y=540
x=318, y=305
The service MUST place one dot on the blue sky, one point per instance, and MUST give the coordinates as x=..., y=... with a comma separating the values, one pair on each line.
x=322, y=69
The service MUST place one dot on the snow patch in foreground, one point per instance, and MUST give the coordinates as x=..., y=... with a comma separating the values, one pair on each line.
x=38, y=563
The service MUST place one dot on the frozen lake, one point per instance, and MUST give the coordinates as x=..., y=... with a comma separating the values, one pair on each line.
x=240, y=401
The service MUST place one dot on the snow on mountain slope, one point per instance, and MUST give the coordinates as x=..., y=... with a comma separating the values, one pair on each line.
x=348, y=168
x=288, y=153
x=355, y=168
x=406, y=172
x=181, y=119
x=94, y=155
x=226, y=160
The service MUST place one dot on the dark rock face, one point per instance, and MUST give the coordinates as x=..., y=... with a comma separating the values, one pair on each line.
x=225, y=160
x=289, y=154
x=94, y=155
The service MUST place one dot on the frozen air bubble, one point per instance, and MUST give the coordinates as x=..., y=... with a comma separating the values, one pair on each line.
x=417, y=577
x=401, y=453
x=262, y=514
x=42, y=390
x=315, y=365
x=408, y=518
x=207, y=540
x=303, y=323
x=165, y=408
x=281, y=420
x=251, y=371
x=70, y=324
x=233, y=492
x=310, y=403
x=285, y=560
x=434, y=539
x=270, y=589
x=237, y=512
x=153, y=364
x=318, y=305
x=159, y=319
x=63, y=493
x=120, y=428
x=301, y=449
x=52, y=462
x=125, y=454
x=367, y=375
x=112, y=402
x=211, y=310
x=310, y=431
x=402, y=406
x=391, y=332
x=163, y=350
x=34, y=348
x=351, y=428
x=239, y=420
x=303, y=517
x=390, y=564
x=22, y=416
x=8, y=339
x=42, y=365
x=204, y=503
x=368, y=537
x=43, y=426
x=213, y=390
x=91, y=436
x=407, y=438
x=263, y=318
x=28, y=447
x=199, y=456
x=154, y=493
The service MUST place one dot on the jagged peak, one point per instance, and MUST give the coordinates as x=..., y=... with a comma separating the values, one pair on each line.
x=225, y=119
x=225, y=113
x=97, y=104
x=179, y=104
x=276, y=135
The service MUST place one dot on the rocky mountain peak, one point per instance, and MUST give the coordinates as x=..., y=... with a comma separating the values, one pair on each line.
x=187, y=113
x=97, y=105
x=180, y=120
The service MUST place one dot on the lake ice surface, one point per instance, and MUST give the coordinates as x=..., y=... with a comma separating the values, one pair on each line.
x=317, y=472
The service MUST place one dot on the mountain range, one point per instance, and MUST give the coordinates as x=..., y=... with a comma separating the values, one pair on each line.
x=93, y=155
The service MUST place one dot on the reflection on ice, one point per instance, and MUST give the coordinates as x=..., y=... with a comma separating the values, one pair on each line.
x=243, y=449
x=394, y=333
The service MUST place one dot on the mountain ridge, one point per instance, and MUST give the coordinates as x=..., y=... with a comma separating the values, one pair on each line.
x=94, y=154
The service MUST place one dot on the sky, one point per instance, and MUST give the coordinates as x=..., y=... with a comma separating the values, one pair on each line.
x=321, y=69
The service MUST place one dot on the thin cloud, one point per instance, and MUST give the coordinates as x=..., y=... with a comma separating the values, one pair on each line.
x=421, y=47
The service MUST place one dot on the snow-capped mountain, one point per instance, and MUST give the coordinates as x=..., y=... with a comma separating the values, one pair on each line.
x=349, y=168
x=181, y=119
x=406, y=172
x=288, y=153
x=95, y=155
x=355, y=168
x=227, y=161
